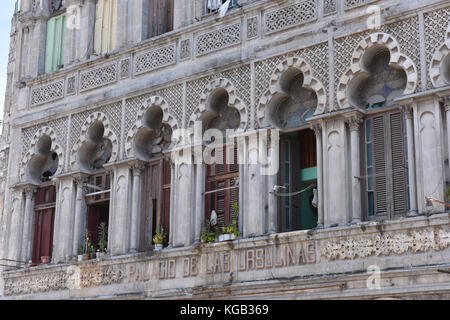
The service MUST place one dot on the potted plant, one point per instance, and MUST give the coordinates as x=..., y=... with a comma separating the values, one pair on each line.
x=45, y=260
x=102, y=241
x=158, y=239
x=208, y=233
x=231, y=232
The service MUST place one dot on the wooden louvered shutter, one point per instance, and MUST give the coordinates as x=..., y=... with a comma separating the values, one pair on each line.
x=160, y=17
x=380, y=166
x=386, y=170
x=222, y=176
x=399, y=170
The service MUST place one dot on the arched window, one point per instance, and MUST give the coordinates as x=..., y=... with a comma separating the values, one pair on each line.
x=287, y=111
x=222, y=171
x=385, y=164
x=150, y=141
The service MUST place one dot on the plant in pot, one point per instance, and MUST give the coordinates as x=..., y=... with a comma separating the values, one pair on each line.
x=87, y=246
x=45, y=260
x=231, y=232
x=102, y=240
x=159, y=237
x=209, y=234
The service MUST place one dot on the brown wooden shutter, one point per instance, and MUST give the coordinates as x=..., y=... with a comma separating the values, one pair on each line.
x=43, y=223
x=222, y=176
x=160, y=17
x=165, y=212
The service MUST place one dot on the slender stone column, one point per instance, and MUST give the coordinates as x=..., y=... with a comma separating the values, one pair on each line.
x=411, y=160
x=137, y=168
x=80, y=211
x=354, y=123
x=28, y=223
x=317, y=128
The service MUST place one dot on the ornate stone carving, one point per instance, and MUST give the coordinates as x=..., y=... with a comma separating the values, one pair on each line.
x=440, y=63
x=349, y=4
x=396, y=58
x=154, y=59
x=386, y=244
x=218, y=39
x=309, y=82
x=329, y=6
x=47, y=93
x=185, y=49
x=98, y=77
x=354, y=122
x=252, y=27
x=154, y=101
x=71, y=88
x=55, y=147
x=108, y=134
x=289, y=16
x=233, y=101
x=124, y=68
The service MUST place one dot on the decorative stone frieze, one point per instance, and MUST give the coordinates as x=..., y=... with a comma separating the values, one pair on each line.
x=218, y=39
x=290, y=16
x=154, y=59
x=98, y=77
x=47, y=93
x=252, y=27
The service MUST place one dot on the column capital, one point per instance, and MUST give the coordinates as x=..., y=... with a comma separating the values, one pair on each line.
x=317, y=128
x=29, y=191
x=354, y=121
x=408, y=110
x=445, y=100
x=80, y=178
x=138, y=167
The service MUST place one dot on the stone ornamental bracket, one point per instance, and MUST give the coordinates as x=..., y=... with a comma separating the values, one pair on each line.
x=233, y=101
x=140, y=122
x=108, y=133
x=55, y=147
x=356, y=68
x=440, y=63
x=309, y=82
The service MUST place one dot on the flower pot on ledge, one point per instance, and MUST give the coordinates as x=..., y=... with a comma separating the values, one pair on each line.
x=85, y=257
x=158, y=247
x=45, y=260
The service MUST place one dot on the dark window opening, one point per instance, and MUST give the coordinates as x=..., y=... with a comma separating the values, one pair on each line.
x=156, y=186
x=298, y=171
x=44, y=217
x=97, y=199
x=160, y=17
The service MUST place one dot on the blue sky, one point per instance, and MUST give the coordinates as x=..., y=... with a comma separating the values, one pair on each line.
x=6, y=13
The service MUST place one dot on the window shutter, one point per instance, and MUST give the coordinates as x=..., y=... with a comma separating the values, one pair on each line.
x=399, y=180
x=105, y=26
x=379, y=155
x=160, y=17
x=54, y=55
x=222, y=176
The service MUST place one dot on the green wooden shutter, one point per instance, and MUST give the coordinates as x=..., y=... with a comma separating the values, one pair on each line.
x=54, y=55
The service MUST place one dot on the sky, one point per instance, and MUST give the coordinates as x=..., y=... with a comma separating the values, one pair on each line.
x=6, y=13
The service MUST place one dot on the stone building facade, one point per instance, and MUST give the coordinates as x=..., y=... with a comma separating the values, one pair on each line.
x=350, y=100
